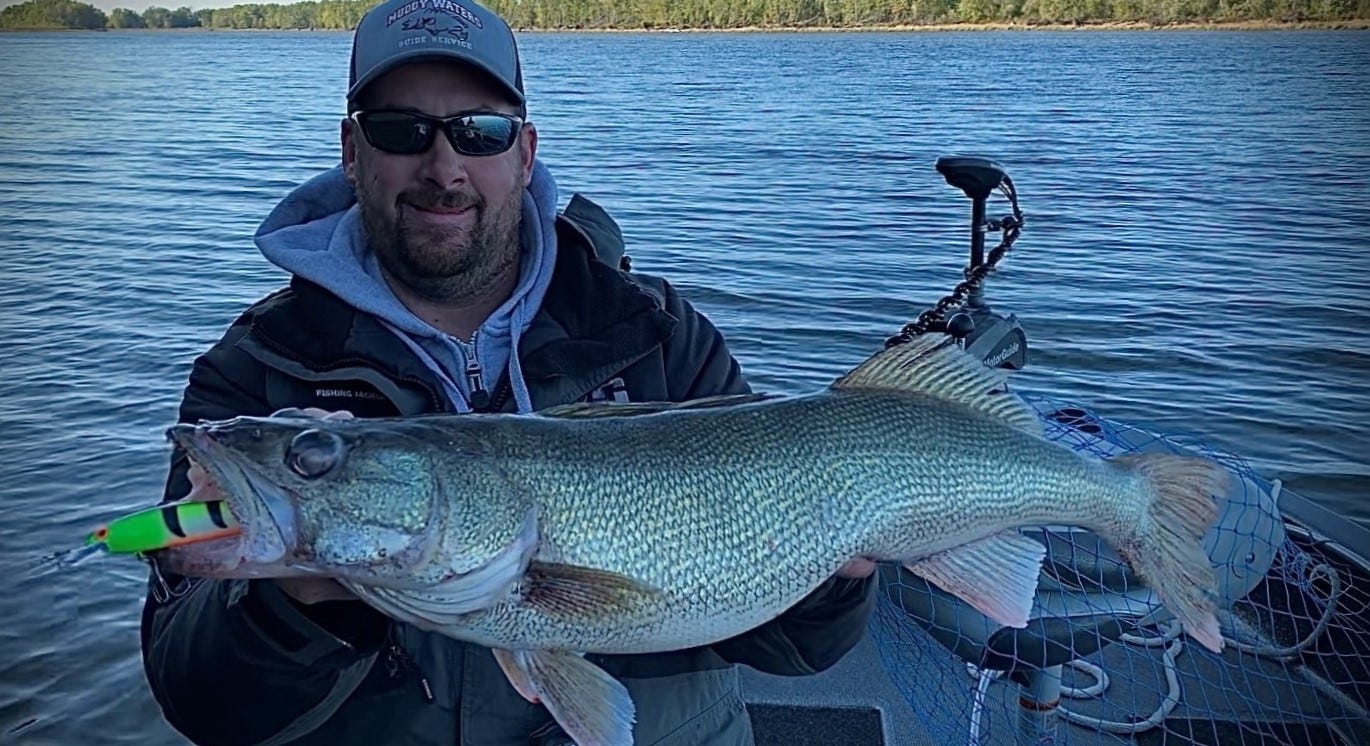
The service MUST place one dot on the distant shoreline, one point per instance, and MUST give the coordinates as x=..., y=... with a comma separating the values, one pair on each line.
x=1352, y=25
x=1355, y=25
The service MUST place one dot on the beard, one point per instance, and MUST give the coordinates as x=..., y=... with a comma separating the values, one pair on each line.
x=444, y=265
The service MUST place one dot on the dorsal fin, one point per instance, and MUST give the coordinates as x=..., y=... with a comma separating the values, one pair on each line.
x=632, y=409
x=935, y=365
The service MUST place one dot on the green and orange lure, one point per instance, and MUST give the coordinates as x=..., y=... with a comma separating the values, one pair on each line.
x=165, y=526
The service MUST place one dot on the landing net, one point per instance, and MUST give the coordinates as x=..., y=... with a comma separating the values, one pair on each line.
x=1102, y=662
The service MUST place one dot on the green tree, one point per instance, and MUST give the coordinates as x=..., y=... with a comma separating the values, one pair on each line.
x=53, y=14
x=340, y=14
x=157, y=17
x=976, y=11
x=632, y=14
x=125, y=18
x=183, y=17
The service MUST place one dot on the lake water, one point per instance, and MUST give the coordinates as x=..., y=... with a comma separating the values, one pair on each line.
x=1195, y=258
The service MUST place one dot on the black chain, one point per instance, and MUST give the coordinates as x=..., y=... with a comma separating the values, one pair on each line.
x=1012, y=226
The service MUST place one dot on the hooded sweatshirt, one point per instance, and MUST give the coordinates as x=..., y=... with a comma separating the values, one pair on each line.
x=316, y=233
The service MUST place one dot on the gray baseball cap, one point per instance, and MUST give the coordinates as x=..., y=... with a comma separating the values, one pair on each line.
x=398, y=32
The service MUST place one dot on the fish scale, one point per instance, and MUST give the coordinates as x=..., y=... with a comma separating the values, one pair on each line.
x=814, y=480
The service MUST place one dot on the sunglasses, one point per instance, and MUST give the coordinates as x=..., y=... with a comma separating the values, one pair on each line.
x=408, y=133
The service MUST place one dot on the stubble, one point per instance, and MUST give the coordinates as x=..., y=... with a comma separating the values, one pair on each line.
x=444, y=266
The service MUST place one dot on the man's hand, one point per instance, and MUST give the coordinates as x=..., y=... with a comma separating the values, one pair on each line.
x=309, y=591
x=856, y=569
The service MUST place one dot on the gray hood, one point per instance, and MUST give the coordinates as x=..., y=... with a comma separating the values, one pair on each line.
x=316, y=233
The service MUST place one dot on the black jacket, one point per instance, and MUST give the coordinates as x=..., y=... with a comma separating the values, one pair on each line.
x=237, y=662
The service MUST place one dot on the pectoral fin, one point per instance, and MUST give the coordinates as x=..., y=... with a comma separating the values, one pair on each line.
x=575, y=591
x=997, y=575
x=590, y=705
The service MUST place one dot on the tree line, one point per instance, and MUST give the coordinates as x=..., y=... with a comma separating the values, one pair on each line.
x=706, y=14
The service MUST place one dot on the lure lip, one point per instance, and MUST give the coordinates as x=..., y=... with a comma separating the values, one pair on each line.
x=264, y=512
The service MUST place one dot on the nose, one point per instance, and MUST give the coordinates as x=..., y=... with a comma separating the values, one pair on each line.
x=442, y=164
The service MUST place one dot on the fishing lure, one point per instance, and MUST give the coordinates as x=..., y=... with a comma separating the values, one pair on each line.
x=165, y=526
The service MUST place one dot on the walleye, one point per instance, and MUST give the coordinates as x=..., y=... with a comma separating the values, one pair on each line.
x=631, y=528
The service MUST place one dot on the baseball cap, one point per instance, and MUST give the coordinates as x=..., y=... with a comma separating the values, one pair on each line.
x=398, y=32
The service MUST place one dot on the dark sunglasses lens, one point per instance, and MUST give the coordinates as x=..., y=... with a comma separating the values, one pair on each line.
x=483, y=134
x=397, y=132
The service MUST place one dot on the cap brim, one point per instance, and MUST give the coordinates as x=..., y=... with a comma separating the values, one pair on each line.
x=421, y=55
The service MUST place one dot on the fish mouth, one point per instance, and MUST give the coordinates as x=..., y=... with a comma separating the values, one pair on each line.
x=264, y=510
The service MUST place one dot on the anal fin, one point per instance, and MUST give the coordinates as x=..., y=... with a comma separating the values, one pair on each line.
x=996, y=575
x=590, y=705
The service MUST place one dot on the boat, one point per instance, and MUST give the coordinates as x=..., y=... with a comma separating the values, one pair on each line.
x=1100, y=661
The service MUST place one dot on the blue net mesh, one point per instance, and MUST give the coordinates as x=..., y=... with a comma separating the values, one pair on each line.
x=1101, y=661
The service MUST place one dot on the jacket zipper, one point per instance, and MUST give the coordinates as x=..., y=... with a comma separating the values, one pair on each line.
x=398, y=661
x=478, y=398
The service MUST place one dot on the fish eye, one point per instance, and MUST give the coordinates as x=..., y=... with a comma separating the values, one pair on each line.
x=314, y=453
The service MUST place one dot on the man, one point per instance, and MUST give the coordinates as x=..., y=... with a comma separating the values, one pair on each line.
x=432, y=273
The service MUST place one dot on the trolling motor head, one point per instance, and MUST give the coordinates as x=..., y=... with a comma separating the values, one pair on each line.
x=977, y=177
x=997, y=339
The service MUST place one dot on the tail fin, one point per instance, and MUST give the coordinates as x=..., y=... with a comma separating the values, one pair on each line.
x=1165, y=546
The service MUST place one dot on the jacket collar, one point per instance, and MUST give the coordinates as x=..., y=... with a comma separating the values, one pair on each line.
x=592, y=316
x=593, y=322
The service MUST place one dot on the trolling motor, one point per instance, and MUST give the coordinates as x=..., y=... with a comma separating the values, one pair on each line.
x=997, y=339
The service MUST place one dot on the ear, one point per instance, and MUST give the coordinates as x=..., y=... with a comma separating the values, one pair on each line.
x=348, y=136
x=528, y=150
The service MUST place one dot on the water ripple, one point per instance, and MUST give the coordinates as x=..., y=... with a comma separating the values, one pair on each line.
x=1195, y=259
